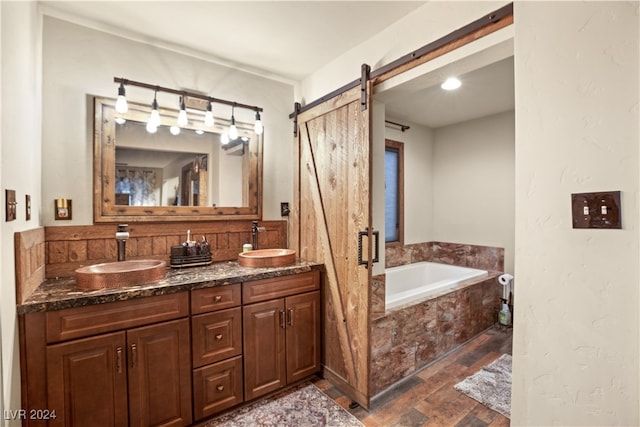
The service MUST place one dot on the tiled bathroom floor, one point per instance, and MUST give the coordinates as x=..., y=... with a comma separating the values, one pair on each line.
x=428, y=398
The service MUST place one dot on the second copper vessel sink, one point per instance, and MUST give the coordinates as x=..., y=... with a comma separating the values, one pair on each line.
x=120, y=274
x=267, y=258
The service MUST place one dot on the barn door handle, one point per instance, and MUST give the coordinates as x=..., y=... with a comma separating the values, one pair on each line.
x=376, y=250
x=376, y=246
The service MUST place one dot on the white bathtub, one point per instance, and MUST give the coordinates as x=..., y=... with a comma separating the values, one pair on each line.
x=418, y=281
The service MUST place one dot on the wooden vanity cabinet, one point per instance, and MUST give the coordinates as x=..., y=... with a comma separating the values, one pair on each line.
x=136, y=376
x=281, y=332
x=217, y=349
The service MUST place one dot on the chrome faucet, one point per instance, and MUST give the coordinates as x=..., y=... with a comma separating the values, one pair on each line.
x=121, y=237
x=254, y=233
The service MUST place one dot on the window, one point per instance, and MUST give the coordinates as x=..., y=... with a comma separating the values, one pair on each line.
x=394, y=192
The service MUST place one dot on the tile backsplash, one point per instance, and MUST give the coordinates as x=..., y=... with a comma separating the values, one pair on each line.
x=49, y=252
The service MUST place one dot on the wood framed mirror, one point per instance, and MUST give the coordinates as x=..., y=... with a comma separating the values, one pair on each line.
x=164, y=176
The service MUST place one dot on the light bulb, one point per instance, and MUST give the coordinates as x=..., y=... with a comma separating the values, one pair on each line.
x=175, y=130
x=151, y=128
x=154, y=118
x=451, y=84
x=183, y=120
x=233, y=130
x=199, y=131
x=120, y=120
x=224, y=139
x=121, y=102
x=258, y=129
x=208, y=116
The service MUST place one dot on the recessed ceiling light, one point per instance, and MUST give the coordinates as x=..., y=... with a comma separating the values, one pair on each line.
x=451, y=83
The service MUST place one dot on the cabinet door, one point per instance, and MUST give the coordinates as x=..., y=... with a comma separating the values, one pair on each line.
x=303, y=335
x=159, y=374
x=87, y=381
x=264, y=347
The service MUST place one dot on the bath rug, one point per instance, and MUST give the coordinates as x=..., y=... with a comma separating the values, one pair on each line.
x=305, y=405
x=491, y=385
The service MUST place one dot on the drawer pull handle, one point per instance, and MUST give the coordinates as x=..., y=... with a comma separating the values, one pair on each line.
x=119, y=360
x=217, y=298
x=220, y=387
x=134, y=355
x=282, y=325
x=290, y=317
x=219, y=337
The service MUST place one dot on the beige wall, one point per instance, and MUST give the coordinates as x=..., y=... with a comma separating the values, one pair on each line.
x=577, y=327
x=21, y=157
x=473, y=183
x=418, y=180
x=80, y=62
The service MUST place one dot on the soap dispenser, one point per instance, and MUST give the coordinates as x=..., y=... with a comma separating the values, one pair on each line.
x=504, y=316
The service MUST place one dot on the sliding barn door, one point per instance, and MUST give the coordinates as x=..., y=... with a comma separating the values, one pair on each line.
x=332, y=215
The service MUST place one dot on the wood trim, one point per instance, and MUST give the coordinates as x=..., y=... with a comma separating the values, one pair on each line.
x=29, y=247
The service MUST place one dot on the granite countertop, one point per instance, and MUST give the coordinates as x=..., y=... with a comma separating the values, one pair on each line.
x=60, y=293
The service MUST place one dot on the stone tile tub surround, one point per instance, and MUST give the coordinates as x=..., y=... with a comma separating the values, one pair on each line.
x=483, y=257
x=405, y=340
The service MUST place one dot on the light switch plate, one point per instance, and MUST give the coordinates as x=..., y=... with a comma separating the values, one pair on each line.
x=10, y=204
x=596, y=210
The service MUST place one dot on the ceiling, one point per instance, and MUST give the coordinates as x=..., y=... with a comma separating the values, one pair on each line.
x=289, y=40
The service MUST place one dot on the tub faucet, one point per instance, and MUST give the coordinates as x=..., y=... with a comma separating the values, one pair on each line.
x=254, y=233
x=121, y=237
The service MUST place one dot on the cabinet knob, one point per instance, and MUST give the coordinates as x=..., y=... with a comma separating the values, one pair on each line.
x=219, y=337
x=220, y=387
x=217, y=298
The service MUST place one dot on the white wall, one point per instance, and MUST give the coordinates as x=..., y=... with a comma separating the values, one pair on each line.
x=575, y=353
x=418, y=180
x=576, y=336
x=21, y=157
x=80, y=62
x=473, y=183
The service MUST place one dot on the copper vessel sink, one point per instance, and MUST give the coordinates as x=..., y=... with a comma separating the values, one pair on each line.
x=267, y=258
x=120, y=274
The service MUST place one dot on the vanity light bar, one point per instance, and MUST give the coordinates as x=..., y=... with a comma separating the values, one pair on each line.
x=183, y=93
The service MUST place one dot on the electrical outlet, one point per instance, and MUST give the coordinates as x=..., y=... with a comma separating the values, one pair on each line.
x=284, y=209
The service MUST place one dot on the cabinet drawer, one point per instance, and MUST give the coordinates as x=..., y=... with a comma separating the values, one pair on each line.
x=100, y=318
x=277, y=287
x=217, y=387
x=216, y=336
x=215, y=298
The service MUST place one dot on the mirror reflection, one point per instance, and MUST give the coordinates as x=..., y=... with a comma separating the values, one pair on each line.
x=188, y=169
x=173, y=172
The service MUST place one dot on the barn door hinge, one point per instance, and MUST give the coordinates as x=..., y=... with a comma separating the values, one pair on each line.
x=296, y=110
x=365, y=70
